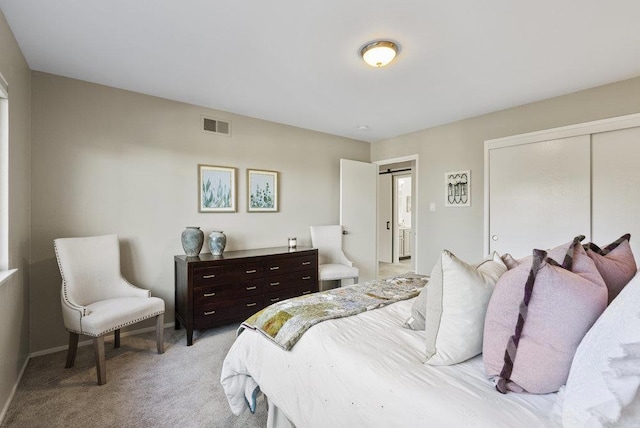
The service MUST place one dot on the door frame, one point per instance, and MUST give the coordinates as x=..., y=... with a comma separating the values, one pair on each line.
x=415, y=260
x=395, y=209
x=592, y=127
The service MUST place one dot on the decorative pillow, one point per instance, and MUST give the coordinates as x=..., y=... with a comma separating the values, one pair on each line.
x=510, y=261
x=558, y=253
x=615, y=262
x=537, y=316
x=457, y=298
x=418, y=309
x=604, y=380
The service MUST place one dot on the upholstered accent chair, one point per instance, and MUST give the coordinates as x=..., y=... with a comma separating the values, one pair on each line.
x=97, y=300
x=333, y=264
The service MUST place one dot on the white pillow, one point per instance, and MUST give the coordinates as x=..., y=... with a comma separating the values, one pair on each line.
x=605, y=372
x=457, y=299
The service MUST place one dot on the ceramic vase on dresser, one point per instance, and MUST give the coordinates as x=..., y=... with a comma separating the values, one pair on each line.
x=192, y=240
x=217, y=242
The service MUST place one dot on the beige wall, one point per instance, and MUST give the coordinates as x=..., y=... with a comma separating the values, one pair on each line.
x=112, y=161
x=14, y=305
x=460, y=145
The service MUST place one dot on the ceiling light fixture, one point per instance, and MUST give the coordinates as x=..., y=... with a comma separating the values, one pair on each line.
x=379, y=53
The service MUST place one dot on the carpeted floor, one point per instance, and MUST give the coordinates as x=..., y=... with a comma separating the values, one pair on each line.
x=178, y=388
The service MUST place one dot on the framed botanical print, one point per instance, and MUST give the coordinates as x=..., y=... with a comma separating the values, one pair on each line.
x=216, y=189
x=262, y=191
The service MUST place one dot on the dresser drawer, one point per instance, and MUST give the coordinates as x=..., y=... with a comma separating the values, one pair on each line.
x=287, y=293
x=300, y=280
x=289, y=264
x=235, y=309
x=225, y=273
x=230, y=290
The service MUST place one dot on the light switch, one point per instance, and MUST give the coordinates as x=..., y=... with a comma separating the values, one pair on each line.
x=432, y=207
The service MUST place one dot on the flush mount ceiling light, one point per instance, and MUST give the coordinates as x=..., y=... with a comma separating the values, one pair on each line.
x=379, y=53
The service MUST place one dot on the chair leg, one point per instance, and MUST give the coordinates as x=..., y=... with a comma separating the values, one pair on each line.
x=101, y=368
x=116, y=338
x=355, y=280
x=160, y=333
x=73, y=349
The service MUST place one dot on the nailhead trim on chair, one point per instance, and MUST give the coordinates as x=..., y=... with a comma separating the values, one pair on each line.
x=82, y=309
x=126, y=324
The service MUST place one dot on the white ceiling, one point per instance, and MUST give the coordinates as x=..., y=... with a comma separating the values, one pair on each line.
x=296, y=62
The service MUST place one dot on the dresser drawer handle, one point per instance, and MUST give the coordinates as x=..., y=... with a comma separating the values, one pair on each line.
x=252, y=288
x=306, y=292
x=274, y=283
x=210, y=313
x=306, y=263
x=208, y=276
x=251, y=304
x=209, y=294
x=306, y=277
x=252, y=271
x=275, y=299
x=274, y=268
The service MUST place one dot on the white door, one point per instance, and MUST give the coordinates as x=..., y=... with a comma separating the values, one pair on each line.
x=358, y=215
x=616, y=180
x=385, y=220
x=539, y=195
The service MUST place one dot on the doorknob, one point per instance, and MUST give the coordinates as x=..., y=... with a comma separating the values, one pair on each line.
x=344, y=232
x=494, y=237
x=388, y=228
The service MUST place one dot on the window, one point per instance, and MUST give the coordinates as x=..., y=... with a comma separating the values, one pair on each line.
x=4, y=175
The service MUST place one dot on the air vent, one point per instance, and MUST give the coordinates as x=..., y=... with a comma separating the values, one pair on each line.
x=216, y=126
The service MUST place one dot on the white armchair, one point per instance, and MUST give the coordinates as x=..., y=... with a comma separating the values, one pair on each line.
x=333, y=264
x=97, y=300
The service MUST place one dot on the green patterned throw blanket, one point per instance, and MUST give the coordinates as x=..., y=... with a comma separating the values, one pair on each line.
x=285, y=322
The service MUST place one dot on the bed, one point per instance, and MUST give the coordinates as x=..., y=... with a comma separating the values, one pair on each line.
x=367, y=370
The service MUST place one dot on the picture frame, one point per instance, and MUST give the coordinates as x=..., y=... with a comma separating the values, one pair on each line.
x=262, y=190
x=216, y=189
x=457, y=188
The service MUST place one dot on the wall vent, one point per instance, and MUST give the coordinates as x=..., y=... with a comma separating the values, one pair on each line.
x=216, y=126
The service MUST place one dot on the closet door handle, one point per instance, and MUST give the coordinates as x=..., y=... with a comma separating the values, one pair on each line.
x=388, y=225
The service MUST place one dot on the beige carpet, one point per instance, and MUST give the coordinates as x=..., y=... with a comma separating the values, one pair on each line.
x=178, y=388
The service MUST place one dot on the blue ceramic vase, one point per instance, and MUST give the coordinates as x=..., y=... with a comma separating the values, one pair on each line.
x=192, y=240
x=217, y=242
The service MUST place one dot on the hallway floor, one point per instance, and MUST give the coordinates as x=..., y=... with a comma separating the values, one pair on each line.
x=385, y=270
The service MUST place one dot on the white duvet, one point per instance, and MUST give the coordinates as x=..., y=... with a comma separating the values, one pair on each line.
x=367, y=371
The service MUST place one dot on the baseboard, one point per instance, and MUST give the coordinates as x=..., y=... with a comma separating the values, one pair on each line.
x=13, y=391
x=89, y=342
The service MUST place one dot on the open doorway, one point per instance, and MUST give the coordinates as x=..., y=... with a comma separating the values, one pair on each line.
x=397, y=207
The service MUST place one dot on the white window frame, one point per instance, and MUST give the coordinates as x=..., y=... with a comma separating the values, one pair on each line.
x=5, y=273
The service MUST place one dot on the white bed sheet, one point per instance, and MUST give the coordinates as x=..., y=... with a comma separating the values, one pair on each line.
x=367, y=371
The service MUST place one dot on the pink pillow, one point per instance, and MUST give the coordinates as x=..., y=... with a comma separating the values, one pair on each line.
x=558, y=253
x=538, y=314
x=615, y=262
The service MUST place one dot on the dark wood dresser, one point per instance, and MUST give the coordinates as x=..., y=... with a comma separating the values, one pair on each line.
x=217, y=290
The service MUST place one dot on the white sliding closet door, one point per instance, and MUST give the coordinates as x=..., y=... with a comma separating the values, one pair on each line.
x=539, y=194
x=616, y=187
